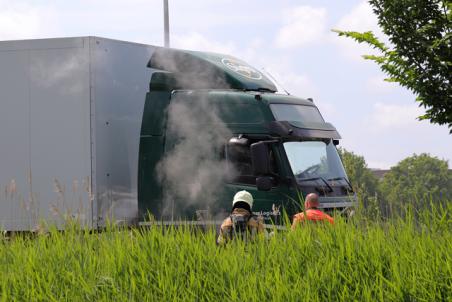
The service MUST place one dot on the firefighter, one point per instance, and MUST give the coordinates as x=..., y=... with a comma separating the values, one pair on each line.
x=241, y=223
x=311, y=213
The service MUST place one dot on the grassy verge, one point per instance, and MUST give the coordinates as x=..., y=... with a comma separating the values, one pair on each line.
x=397, y=260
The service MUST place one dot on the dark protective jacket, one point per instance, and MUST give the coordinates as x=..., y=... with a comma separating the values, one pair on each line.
x=255, y=226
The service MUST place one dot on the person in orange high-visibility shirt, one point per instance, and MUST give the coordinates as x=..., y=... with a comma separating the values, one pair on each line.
x=312, y=212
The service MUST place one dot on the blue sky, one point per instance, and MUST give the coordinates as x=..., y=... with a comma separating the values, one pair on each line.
x=290, y=39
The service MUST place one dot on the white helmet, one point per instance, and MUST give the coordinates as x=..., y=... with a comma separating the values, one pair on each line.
x=243, y=196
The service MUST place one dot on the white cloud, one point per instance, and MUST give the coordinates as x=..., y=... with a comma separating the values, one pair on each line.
x=361, y=18
x=391, y=132
x=22, y=21
x=378, y=164
x=196, y=41
x=296, y=84
x=300, y=85
x=304, y=24
x=377, y=84
x=328, y=110
x=396, y=116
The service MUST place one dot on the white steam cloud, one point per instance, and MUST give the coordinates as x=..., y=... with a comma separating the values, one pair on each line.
x=193, y=172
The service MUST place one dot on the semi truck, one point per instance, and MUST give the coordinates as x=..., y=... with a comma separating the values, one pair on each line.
x=99, y=130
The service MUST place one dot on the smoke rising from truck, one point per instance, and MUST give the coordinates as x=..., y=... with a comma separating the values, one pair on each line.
x=194, y=171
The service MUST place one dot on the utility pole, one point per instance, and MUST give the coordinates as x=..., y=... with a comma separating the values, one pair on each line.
x=166, y=23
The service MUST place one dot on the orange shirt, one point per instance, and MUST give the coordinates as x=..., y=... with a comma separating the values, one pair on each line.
x=311, y=215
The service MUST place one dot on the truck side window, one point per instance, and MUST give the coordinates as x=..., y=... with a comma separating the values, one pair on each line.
x=239, y=157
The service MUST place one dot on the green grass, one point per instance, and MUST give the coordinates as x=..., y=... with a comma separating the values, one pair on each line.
x=362, y=260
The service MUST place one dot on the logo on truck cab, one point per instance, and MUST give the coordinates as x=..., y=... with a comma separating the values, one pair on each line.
x=242, y=68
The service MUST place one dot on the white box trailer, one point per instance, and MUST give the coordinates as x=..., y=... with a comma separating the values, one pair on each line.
x=70, y=118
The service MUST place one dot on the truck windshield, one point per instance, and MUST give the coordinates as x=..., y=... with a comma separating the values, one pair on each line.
x=315, y=161
x=296, y=113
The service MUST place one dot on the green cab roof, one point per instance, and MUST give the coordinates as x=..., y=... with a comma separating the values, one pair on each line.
x=222, y=71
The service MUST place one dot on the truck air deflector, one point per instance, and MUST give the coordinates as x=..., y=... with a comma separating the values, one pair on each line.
x=296, y=130
x=210, y=69
x=313, y=125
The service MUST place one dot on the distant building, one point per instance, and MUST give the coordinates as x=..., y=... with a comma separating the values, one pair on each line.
x=379, y=173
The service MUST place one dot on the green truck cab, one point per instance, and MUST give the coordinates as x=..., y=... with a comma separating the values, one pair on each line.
x=278, y=147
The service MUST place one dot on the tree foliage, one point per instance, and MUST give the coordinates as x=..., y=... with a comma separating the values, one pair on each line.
x=363, y=180
x=418, y=179
x=420, y=56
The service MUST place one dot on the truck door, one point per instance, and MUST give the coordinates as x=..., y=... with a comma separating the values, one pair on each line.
x=270, y=203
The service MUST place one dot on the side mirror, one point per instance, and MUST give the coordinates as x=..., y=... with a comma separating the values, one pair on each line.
x=260, y=158
x=240, y=141
x=264, y=183
x=335, y=142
